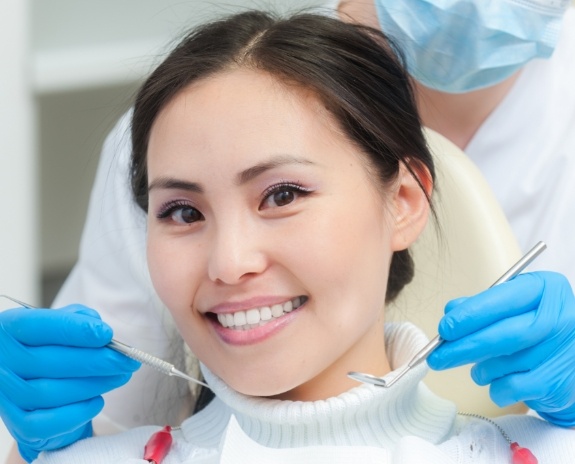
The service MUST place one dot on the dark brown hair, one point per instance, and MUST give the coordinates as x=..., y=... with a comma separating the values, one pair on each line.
x=354, y=70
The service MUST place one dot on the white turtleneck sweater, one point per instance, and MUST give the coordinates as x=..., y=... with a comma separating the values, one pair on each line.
x=404, y=424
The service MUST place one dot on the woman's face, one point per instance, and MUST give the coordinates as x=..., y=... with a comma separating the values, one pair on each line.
x=268, y=239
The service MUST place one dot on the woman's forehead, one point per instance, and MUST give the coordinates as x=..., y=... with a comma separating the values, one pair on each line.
x=244, y=112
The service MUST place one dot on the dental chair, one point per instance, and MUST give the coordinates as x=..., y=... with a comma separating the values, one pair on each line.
x=469, y=247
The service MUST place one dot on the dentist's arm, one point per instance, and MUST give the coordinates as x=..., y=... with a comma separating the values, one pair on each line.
x=521, y=337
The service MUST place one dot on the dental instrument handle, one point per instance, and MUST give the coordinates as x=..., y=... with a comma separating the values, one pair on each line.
x=425, y=351
x=521, y=264
x=159, y=364
x=512, y=272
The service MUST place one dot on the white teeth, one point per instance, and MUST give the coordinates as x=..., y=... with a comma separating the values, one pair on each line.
x=240, y=318
x=265, y=313
x=255, y=317
x=277, y=310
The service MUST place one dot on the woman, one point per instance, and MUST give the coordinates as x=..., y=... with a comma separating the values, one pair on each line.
x=284, y=174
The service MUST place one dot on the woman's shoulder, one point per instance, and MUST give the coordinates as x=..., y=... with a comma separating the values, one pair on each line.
x=127, y=448
x=116, y=448
x=198, y=436
x=478, y=440
x=551, y=442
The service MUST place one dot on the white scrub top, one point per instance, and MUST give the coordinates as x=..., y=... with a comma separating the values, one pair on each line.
x=526, y=150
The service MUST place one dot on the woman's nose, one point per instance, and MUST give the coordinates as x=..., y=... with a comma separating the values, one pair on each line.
x=236, y=253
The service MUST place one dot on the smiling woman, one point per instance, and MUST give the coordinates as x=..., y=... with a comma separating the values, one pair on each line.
x=256, y=185
x=284, y=172
x=252, y=222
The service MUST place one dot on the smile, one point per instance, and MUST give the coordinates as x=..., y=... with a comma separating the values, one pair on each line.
x=257, y=317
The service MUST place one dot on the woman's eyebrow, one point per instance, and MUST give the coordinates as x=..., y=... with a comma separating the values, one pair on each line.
x=171, y=183
x=243, y=177
x=281, y=160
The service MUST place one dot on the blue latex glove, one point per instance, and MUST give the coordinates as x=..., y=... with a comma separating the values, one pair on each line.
x=521, y=335
x=53, y=369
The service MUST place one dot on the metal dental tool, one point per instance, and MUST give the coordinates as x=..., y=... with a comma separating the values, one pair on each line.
x=160, y=365
x=426, y=351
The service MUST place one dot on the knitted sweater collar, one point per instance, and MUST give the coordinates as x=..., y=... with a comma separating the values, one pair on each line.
x=363, y=416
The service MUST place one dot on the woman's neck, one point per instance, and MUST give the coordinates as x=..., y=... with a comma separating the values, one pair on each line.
x=458, y=116
x=364, y=415
x=368, y=354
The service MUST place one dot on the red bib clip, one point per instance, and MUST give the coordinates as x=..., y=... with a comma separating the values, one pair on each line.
x=158, y=445
x=522, y=455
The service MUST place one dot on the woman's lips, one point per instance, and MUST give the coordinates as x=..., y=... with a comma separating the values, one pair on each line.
x=254, y=324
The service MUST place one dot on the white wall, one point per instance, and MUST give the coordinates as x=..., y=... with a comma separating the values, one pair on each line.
x=18, y=199
x=18, y=176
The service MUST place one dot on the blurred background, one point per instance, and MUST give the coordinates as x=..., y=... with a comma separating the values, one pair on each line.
x=69, y=71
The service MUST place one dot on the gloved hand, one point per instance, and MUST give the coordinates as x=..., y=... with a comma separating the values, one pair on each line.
x=53, y=369
x=521, y=335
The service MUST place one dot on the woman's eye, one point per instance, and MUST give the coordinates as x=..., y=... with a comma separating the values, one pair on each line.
x=181, y=214
x=282, y=195
x=186, y=215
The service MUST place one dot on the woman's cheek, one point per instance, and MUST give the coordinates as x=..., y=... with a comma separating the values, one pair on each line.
x=160, y=271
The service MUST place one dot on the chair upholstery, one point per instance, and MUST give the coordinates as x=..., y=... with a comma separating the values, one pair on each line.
x=468, y=248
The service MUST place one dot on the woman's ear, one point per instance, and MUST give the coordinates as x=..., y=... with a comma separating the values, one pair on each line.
x=410, y=203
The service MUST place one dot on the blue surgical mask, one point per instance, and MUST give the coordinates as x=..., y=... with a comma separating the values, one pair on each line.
x=461, y=45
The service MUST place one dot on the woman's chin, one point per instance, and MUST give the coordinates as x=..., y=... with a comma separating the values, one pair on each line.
x=263, y=390
x=265, y=386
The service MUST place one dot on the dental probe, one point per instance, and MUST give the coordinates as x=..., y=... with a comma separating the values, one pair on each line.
x=426, y=351
x=159, y=364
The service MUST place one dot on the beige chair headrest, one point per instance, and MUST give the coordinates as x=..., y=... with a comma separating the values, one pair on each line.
x=468, y=249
